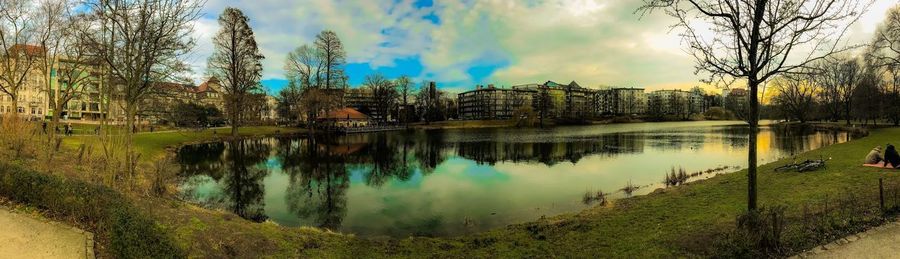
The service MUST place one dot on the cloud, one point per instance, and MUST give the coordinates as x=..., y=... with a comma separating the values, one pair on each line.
x=463, y=43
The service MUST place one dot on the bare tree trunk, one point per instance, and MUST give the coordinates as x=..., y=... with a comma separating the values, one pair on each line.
x=751, y=151
x=129, y=136
x=15, y=106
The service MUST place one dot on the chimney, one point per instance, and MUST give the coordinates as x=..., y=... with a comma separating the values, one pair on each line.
x=491, y=86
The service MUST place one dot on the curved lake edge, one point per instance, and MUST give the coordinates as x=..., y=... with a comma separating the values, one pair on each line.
x=817, y=126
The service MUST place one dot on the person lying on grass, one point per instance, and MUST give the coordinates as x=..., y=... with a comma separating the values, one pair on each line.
x=874, y=156
x=891, y=157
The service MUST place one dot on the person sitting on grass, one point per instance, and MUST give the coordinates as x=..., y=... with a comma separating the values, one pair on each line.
x=874, y=156
x=891, y=157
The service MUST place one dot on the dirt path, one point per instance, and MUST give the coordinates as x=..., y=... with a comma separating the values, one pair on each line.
x=24, y=236
x=880, y=242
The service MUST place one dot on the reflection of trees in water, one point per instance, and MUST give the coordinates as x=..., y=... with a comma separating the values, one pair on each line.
x=797, y=138
x=243, y=180
x=202, y=159
x=319, y=182
x=239, y=169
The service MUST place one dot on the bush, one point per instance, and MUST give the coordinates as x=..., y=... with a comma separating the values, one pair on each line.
x=131, y=234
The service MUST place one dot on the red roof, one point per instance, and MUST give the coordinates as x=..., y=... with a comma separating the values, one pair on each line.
x=204, y=87
x=30, y=50
x=345, y=114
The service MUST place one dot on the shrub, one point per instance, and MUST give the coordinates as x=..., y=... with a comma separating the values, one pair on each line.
x=131, y=233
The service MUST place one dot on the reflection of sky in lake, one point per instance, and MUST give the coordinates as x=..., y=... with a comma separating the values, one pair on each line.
x=384, y=184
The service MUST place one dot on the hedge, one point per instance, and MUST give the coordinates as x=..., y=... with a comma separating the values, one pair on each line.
x=131, y=233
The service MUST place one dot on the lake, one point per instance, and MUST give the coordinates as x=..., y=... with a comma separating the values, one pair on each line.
x=452, y=182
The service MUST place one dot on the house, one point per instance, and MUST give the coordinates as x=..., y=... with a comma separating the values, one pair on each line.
x=344, y=118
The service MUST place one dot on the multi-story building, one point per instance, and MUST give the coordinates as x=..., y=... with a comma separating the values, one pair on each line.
x=609, y=101
x=669, y=102
x=362, y=100
x=491, y=103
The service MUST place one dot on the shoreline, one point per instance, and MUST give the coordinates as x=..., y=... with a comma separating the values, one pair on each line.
x=672, y=217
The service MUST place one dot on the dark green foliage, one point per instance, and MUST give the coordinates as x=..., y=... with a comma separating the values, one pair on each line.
x=131, y=234
x=195, y=115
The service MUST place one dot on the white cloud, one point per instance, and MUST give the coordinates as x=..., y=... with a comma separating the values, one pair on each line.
x=591, y=41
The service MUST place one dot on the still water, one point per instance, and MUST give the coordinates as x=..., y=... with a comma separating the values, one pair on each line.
x=451, y=182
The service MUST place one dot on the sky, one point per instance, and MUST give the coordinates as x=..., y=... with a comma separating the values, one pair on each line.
x=463, y=43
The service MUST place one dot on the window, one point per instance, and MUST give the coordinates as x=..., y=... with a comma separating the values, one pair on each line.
x=33, y=111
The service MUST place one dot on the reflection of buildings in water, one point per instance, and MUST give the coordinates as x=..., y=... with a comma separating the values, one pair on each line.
x=550, y=153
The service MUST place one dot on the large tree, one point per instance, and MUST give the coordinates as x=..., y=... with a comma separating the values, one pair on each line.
x=318, y=70
x=755, y=40
x=140, y=43
x=235, y=62
x=333, y=57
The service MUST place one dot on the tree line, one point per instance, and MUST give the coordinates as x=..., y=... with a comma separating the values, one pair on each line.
x=318, y=83
x=864, y=87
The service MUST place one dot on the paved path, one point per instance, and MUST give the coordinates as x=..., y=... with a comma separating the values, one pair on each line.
x=24, y=236
x=880, y=242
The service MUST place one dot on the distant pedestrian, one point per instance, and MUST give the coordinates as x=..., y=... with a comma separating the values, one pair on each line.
x=133, y=128
x=97, y=131
x=66, y=129
x=44, y=127
x=151, y=128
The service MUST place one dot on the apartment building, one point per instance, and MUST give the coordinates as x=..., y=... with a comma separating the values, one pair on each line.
x=492, y=103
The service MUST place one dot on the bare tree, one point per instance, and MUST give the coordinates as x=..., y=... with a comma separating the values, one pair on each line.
x=795, y=94
x=306, y=68
x=67, y=69
x=20, y=56
x=140, y=43
x=333, y=57
x=236, y=63
x=404, y=85
x=385, y=94
x=884, y=52
x=838, y=77
x=756, y=40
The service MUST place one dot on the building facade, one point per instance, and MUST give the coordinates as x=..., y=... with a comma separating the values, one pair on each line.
x=491, y=103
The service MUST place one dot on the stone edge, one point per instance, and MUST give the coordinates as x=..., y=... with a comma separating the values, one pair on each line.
x=844, y=241
x=88, y=236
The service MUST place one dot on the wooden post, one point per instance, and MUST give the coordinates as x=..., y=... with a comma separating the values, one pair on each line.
x=881, y=192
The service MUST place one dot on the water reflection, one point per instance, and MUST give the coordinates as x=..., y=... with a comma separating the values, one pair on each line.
x=458, y=181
